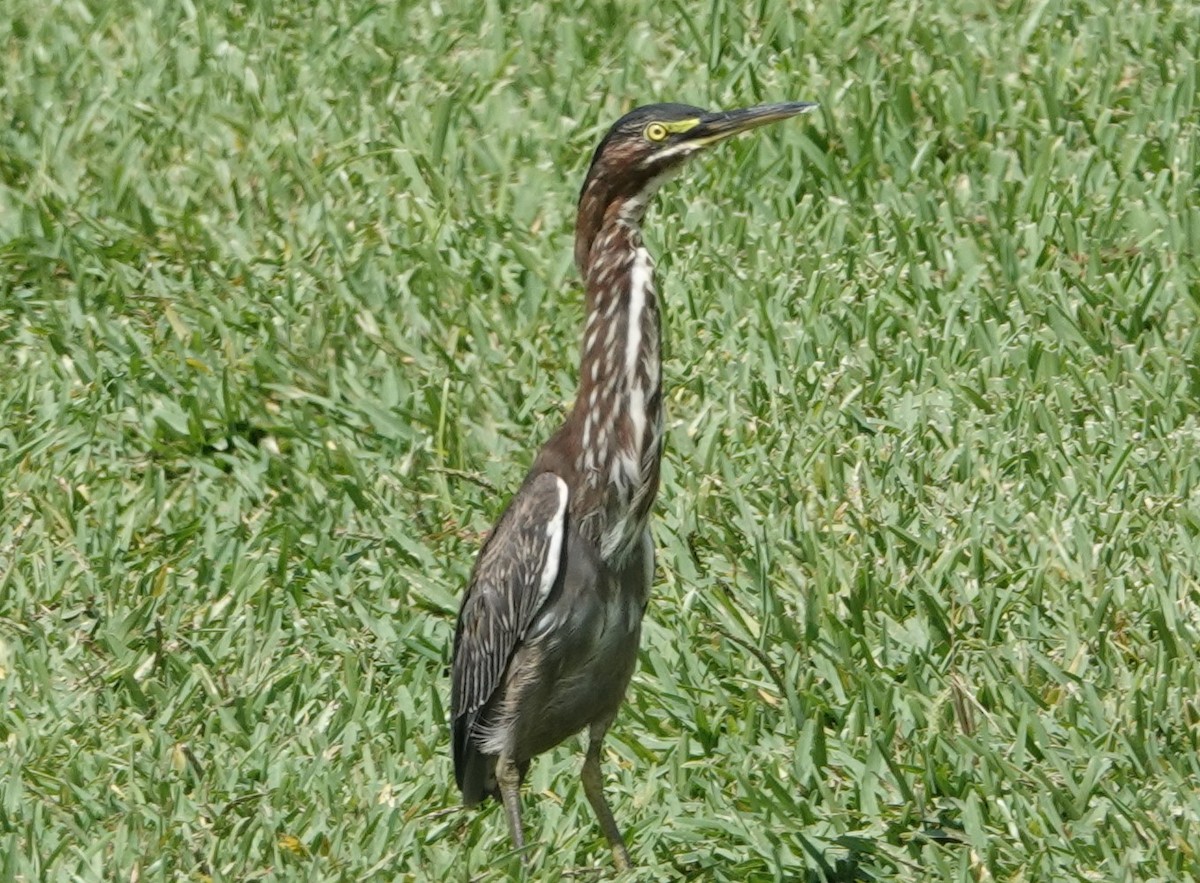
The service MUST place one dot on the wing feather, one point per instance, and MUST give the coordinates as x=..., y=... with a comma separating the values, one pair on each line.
x=512, y=579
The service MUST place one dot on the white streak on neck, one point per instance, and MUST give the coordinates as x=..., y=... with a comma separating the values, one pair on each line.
x=641, y=281
x=641, y=278
x=634, y=208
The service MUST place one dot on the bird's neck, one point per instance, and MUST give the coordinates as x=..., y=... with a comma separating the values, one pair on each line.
x=617, y=417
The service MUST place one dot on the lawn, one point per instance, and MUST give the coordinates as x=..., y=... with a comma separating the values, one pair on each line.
x=287, y=303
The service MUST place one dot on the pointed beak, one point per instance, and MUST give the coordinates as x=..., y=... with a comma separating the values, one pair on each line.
x=715, y=127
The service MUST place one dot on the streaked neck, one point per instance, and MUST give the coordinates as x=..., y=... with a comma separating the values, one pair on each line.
x=619, y=405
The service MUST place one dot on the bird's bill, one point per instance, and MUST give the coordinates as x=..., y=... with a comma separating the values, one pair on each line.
x=723, y=124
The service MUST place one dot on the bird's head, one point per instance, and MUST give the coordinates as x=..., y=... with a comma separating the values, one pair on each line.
x=647, y=146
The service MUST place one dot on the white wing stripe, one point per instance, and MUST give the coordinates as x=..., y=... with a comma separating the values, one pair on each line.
x=555, y=528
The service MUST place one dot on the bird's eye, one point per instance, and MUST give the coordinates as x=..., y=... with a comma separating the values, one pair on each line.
x=656, y=132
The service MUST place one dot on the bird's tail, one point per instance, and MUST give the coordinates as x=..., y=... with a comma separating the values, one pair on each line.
x=476, y=776
x=474, y=771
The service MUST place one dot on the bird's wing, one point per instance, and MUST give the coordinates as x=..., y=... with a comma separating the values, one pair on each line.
x=513, y=577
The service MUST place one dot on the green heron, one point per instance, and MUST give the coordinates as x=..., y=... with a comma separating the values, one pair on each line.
x=548, y=631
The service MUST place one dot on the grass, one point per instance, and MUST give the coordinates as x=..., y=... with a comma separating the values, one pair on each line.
x=286, y=302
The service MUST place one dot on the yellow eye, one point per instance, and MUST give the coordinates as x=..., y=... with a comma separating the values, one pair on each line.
x=656, y=132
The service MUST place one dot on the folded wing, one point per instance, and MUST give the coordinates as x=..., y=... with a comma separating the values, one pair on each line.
x=512, y=579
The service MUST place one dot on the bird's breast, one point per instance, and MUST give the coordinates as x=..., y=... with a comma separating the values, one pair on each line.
x=576, y=661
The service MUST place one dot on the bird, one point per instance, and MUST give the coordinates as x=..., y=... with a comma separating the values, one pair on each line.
x=549, y=626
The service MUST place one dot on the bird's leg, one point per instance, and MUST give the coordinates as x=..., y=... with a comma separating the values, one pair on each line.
x=593, y=787
x=508, y=778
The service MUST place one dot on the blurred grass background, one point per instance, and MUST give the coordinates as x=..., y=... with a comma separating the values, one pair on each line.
x=287, y=303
